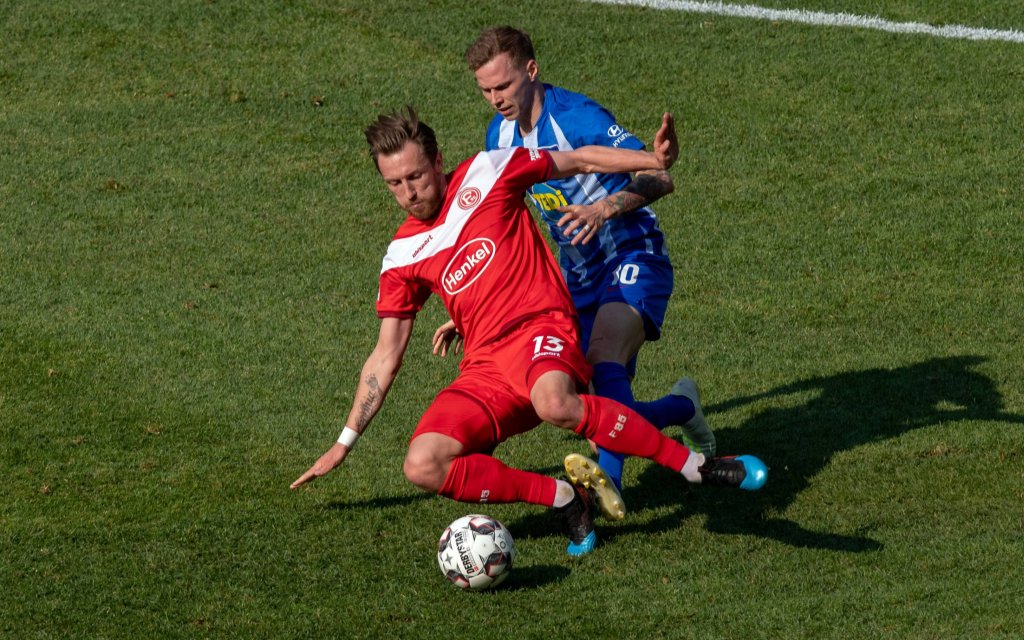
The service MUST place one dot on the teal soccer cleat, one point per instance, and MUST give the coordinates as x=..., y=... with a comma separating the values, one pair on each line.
x=743, y=472
x=578, y=522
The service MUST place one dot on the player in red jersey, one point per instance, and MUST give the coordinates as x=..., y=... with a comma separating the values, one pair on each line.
x=470, y=239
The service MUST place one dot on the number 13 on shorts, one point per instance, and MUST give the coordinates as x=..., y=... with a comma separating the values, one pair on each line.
x=547, y=346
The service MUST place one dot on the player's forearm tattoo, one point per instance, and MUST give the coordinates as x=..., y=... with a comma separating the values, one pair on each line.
x=643, y=190
x=371, y=403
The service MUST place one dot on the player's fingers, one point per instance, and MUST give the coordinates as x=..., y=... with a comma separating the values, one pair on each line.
x=576, y=239
x=667, y=132
x=303, y=479
x=585, y=234
x=673, y=139
x=568, y=214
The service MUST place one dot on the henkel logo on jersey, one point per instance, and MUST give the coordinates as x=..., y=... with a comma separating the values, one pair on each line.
x=468, y=263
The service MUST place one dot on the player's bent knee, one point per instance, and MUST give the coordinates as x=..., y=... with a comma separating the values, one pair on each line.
x=561, y=411
x=426, y=472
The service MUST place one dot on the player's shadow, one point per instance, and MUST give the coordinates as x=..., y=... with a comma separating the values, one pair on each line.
x=534, y=576
x=798, y=441
x=379, y=503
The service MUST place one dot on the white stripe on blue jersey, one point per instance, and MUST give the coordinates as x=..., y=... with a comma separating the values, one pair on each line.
x=568, y=121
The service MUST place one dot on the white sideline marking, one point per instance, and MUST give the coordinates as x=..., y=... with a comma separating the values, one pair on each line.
x=955, y=31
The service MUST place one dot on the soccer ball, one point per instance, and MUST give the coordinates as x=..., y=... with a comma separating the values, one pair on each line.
x=476, y=552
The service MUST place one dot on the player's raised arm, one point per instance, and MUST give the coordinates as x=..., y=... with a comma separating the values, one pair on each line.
x=646, y=187
x=378, y=373
x=597, y=159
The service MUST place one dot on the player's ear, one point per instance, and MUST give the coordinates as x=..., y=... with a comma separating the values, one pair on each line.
x=532, y=70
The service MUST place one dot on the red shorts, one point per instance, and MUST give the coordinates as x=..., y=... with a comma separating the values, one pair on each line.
x=490, y=400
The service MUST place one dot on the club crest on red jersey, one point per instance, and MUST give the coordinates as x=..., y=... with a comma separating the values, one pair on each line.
x=468, y=198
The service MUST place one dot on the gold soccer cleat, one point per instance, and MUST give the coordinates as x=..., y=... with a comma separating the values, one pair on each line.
x=586, y=473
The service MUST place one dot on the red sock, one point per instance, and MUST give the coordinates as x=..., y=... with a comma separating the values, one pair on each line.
x=480, y=478
x=618, y=428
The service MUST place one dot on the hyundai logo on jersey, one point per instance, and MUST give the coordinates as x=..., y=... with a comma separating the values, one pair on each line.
x=620, y=134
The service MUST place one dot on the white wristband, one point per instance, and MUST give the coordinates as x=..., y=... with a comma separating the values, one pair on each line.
x=348, y=437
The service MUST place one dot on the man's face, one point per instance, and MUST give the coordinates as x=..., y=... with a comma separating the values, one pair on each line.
x=417, y=183
x=509, y=89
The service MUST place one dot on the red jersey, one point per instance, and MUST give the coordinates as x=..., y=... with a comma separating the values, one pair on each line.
x=483, y=253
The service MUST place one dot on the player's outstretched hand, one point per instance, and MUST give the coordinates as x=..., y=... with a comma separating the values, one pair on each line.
x=666, y=145
x=447, y=339
x=327, y=463
x=588, y=218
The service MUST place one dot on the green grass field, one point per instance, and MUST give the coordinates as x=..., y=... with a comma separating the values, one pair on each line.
x=190, y=235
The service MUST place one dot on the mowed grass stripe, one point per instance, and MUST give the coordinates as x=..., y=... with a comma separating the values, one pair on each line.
x=825, y=19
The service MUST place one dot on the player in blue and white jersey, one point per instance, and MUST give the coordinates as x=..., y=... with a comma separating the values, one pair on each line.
x=611, y=249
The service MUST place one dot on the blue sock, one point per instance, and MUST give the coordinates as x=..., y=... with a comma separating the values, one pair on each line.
x=667, y=410
x=611, y=380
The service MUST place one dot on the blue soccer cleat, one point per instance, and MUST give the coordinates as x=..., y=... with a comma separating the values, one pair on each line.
x=757, y=472
x=578, y=521
x=583, y=548
x=743, y=472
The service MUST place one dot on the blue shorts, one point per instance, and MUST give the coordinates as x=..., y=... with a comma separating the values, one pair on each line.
x=641, y=280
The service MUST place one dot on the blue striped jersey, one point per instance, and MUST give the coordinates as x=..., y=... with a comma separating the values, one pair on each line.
x=571, y=120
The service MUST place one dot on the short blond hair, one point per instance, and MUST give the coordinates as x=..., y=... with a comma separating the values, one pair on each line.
x=391, y=131
x=497, y=40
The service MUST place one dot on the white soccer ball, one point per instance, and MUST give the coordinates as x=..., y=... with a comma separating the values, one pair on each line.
x=476, y=552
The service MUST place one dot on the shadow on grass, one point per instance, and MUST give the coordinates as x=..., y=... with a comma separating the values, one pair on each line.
x=534, y=577
x=380, y=503
x=846, y=411
x=797, y=442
